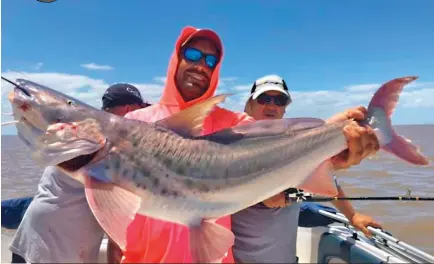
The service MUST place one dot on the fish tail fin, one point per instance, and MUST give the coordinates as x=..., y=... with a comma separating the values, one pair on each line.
x=210, y=242
x=380, y=110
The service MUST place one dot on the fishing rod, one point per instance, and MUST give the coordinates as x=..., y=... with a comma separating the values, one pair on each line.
x=360, y=198
x=300, y=196
x=16, y=85
x=9, y=81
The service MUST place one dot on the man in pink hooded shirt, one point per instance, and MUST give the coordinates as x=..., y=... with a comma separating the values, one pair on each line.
x=192, y=77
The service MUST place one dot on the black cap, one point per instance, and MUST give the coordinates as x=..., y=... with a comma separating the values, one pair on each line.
x=121, y=94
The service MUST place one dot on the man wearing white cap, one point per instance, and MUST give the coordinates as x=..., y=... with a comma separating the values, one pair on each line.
x=264, y=90
x=192, y=78
x=267, y=231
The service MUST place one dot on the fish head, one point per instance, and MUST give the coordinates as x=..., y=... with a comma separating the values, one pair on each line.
x=41, y=106
x=40, y=111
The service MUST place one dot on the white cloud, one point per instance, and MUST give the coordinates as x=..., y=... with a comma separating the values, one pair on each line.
x=362, y=87
x=320, y=103
x=94, y=66
x=323, y=103
x=160, y=79
x=375, y=86
x=417, y=84
x=422, y=98
x=326, y=103
x=38, y=66
x=226, y=81
x=74, y=85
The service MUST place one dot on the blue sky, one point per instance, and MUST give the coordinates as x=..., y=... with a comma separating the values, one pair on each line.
x=333, y=54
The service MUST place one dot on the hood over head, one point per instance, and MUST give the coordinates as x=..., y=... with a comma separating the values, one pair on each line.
x=171, y=95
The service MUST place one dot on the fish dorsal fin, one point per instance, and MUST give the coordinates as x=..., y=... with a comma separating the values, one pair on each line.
x=189, y=122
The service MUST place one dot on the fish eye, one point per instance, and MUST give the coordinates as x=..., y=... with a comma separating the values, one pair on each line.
x=70, y=102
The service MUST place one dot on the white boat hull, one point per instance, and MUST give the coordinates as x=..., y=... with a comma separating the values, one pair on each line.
x=312, y=246
x=334, y=244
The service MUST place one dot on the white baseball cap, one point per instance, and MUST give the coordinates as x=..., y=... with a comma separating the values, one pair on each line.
x=269, y=83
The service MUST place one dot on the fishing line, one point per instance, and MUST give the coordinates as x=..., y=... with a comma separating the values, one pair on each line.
x=10, y=123
x=23, y=74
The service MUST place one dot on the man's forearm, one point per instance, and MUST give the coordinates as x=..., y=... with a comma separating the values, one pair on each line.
x=343, y=206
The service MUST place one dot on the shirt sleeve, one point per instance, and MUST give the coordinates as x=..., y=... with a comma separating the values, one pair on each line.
x=242, y=118
x=144, y=115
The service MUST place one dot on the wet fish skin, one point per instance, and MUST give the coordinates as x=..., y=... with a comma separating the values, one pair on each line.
x=165, y=171
x=207, y=173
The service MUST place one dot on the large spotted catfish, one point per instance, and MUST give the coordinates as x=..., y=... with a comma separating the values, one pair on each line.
x=167, y=170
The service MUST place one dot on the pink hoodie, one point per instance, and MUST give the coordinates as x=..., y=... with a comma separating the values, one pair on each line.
x=152, y=240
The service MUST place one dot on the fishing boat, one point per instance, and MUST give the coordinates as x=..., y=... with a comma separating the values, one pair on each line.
x=341, y=243
x=337, y=242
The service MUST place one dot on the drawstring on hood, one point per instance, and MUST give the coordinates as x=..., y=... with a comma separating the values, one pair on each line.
x=171, y=95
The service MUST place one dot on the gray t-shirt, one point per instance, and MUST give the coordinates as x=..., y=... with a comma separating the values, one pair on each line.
x=58, y=226
x=265, y=235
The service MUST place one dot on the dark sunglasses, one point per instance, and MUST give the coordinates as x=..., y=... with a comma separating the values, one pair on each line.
x=279, y=100
x=196, y=55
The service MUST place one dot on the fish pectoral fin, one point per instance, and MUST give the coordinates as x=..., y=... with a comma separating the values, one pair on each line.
x=54, y=153
x=65, y=141
x=113, y=207
x=320, y=181
x=189, y=122
x=210, y=242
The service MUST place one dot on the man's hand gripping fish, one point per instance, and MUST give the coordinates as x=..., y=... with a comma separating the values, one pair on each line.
x=167, y=170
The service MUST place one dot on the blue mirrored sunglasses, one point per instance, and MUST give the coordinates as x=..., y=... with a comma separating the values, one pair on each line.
x=196, y=55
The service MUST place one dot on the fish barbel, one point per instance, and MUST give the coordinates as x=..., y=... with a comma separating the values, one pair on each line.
x=169, y=171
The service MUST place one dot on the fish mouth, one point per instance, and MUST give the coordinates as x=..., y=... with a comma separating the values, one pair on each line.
x=18, y=91
x=20, y=97
x=22, y=89
x=24, y=111
x=11, y=96
x=16, y=86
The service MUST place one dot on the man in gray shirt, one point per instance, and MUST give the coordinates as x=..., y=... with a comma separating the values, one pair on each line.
x=267, y=232
x=58, y=226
